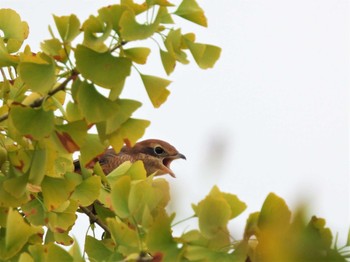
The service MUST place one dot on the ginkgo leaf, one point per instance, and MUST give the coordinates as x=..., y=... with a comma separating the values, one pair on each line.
x=131, y=30
x=274, y=213
x=94, y=106
x=102, y=68
x=35, y=123
x=68, y=27
x=126, y=108
x=190, y=10
x=130, y=131
x=13, y=29
x=120, y=196
x=168, y=61
x=123, y=235
x=91, y=149
x=38, y=72
x=204, y=55
x=38, y=166
x=156, y=89
x=137, y=54
x=18, y=232
x=88, y=191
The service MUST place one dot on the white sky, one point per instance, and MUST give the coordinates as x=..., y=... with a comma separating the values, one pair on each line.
x=272, y=116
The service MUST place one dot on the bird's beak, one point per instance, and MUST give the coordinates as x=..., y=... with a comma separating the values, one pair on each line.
x=167, y=161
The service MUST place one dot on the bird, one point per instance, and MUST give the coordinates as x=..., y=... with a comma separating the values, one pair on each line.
x=155, y=154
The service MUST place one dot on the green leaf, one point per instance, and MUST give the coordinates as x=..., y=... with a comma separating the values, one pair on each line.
x=14, y=30
x=215, y=203
x=72, y=135
x=137, y=54
x=56, y=191
x=131, y=30
x=8, y=200
x=160, y=240
x=125, y=237
x=88, y=191
x=103, y=69
x=94, y=106
x=204, y=55
x=174, y=44
x=190, y=10
x=97, y=250
x=126, y=108
x=38, y=72
x=168, y=61
x=18, y=233
x=38, y=167
x=35, y=123
x=63, y=218
x=156, y=89
x=34, y=212
x=91, y=149
x=54, y=48
x=120, y=196
x=274, y=214
x=68, y=27
x=131, y=131
x=251, y=227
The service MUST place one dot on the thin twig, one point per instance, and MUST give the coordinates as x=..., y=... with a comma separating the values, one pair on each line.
x=94, y=218
x=38, y=102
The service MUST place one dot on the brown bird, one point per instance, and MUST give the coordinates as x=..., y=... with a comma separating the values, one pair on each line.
x=155, y=154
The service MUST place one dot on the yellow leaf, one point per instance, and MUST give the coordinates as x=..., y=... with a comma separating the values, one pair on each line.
x=156, y=89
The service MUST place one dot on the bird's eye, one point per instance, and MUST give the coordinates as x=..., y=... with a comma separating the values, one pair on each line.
x=158, y=150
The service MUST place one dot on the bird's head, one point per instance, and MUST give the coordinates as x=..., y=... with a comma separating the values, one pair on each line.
x=156, y=155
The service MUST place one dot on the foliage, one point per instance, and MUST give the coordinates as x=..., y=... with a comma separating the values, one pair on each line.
x=52, y=99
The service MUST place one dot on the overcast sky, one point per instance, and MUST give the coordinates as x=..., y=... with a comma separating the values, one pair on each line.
x=272, y=116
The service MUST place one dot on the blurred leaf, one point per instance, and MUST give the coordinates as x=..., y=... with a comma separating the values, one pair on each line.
x=204, y=55
x=38, y=72
x=111, y=14
x=102, y=68
x=13, y=29
x=190, y=10
x=213, y=213
x=94, y=106
x=36, y=123
x=251, y=227
x=274, y=214
x=156, y=89
x=68, y=27
x=137, y=54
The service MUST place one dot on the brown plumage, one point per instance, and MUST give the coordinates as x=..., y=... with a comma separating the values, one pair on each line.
x=155, y=154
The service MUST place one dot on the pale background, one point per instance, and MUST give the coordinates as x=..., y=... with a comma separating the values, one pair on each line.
x=272, y=116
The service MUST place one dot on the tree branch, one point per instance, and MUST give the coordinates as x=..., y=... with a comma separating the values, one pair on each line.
x=38, y=102
x=94, y=218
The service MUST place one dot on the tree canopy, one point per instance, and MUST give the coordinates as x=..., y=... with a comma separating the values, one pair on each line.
x=54, y=99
